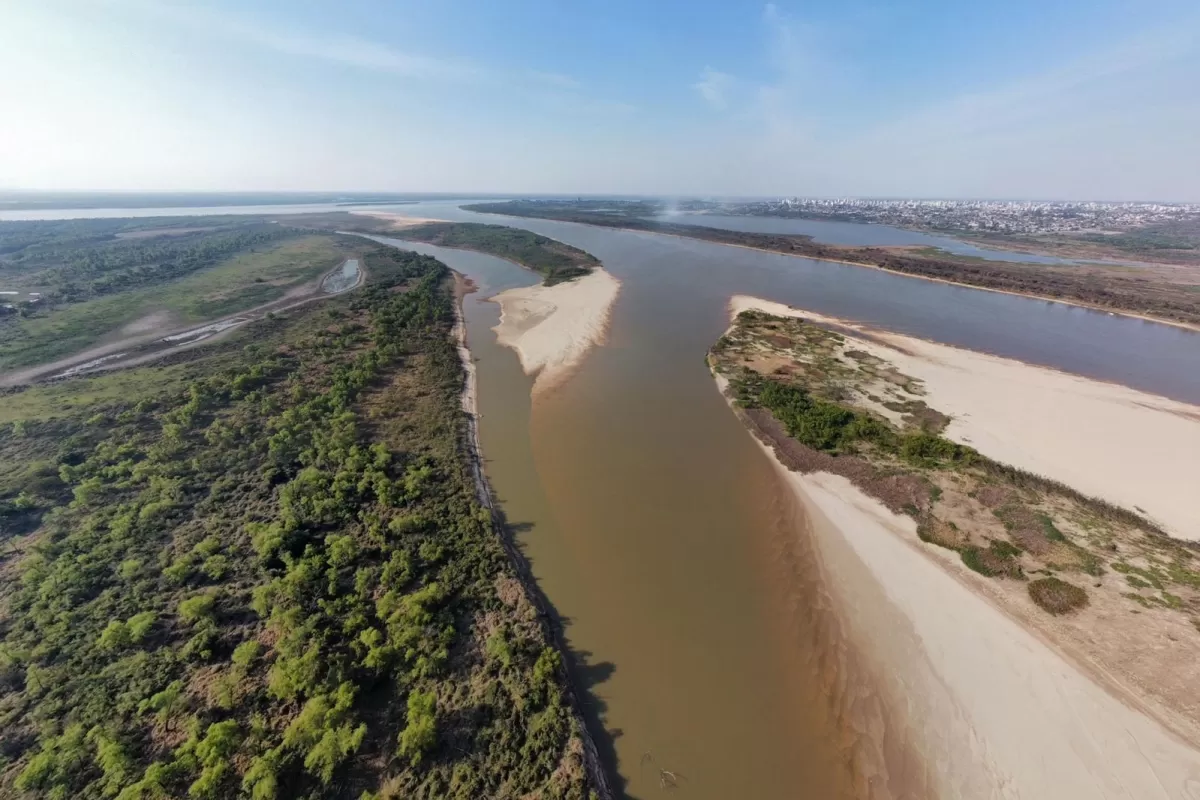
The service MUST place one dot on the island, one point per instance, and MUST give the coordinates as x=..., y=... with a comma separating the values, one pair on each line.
x=1032, y=635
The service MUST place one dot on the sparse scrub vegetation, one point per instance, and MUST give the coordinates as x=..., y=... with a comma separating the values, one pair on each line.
x=95, y=277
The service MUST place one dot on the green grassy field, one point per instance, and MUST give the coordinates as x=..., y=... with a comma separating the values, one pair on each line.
x=241, y=282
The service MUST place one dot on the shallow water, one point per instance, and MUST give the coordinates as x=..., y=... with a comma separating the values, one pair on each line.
x=341, y=279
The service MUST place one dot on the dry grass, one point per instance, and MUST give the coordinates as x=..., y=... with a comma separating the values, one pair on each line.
x=1057, y=596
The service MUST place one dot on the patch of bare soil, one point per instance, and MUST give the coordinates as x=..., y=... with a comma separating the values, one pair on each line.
x=157, y=322
x=160, y=232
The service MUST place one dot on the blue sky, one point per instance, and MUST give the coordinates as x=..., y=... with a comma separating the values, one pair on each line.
x=931, y=98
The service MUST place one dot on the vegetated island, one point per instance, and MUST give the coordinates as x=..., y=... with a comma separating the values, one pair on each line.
x=260, y=568
x=966, y=547
x=556, y=261
x=1124, y=289
x=552, y=326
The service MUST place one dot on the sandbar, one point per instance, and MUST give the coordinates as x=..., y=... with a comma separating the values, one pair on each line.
x=993, y=708
x=553, y=327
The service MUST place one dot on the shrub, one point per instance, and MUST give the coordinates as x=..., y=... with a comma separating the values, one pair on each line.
x=115, y=636
x=1057, y=596
x=139, y=625
x=420, y=735
x=998, y=559
x=197, y=607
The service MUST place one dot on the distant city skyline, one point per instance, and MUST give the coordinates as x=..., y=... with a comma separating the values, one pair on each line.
x=1068, y=101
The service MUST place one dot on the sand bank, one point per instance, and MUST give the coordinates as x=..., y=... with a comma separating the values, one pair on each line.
x=994, y=710
x=1133, y=449
x=553, y=327
x=399, y=221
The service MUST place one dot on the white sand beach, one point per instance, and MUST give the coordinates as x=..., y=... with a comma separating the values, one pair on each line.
x=1130, y=448
x=553, y=327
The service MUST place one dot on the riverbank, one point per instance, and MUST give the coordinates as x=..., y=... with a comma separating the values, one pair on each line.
x=949, y=282
x=1003, y=699
x=994, y=710
x=590, y=754
x=553, y=327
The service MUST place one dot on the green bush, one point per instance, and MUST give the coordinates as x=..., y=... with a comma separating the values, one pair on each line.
x=420, y=734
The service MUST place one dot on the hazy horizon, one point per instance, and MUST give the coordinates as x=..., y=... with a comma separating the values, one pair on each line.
x=1079, y=101
x=352, y=196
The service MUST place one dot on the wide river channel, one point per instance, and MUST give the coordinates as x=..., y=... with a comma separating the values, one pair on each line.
x=661, y=535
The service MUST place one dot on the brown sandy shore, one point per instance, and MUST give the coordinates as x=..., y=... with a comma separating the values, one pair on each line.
x=1002, y=700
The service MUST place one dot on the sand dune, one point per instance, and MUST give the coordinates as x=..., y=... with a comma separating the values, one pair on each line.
x=553, y=327
x=1130, y=448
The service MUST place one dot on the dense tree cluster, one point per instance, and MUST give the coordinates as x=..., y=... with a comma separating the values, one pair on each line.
x=836, y=428
x=276, y=583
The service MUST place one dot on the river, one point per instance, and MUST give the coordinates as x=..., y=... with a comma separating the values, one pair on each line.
x=866, y=235
x=658, y=531
x=660, y=534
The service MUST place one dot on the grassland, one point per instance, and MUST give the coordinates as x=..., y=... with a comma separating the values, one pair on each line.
x=259, y=570
x=98, y=283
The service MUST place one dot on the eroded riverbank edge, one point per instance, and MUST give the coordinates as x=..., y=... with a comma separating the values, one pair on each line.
x=593, y=764
x=992, y=707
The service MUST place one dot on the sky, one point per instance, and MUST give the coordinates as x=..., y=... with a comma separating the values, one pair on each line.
x=1044, y=99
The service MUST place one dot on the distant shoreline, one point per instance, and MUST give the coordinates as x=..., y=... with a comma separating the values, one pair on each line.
x=1076, y=303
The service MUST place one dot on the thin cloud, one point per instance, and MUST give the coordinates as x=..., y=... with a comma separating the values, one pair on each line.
x=347, y=50
x=1020, y=103
x=715, y=87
